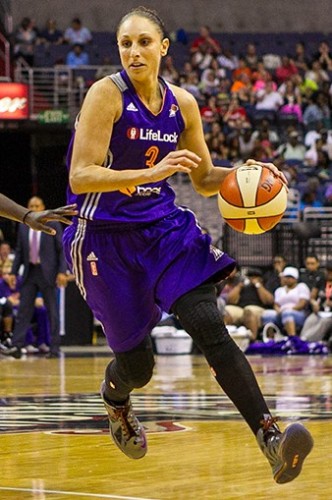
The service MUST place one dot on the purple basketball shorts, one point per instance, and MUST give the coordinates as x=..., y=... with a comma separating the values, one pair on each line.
x=129, y=276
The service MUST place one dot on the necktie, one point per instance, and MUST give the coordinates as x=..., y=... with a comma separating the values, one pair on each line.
x=34, y=253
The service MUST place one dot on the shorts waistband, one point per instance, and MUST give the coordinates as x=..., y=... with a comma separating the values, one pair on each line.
x=118, y=227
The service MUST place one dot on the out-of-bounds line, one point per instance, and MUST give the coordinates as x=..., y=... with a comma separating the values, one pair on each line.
x=73, y=493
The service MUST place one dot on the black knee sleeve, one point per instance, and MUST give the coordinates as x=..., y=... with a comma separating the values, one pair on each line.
x=199, y=315
x=129, y=370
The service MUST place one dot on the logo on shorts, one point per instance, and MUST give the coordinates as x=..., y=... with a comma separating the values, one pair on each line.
x=216, y=252
x=91, y=257
x=93, y=263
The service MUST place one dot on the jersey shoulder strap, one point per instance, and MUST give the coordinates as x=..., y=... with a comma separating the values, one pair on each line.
x=119, y=81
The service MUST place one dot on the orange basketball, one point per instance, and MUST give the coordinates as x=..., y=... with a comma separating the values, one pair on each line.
x=252, y=200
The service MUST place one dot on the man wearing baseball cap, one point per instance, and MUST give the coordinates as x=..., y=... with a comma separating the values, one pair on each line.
x=291, y=303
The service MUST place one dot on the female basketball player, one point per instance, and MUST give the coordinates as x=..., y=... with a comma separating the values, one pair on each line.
x=135, y=253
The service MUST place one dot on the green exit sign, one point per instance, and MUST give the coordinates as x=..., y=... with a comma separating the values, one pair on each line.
x=53, y=116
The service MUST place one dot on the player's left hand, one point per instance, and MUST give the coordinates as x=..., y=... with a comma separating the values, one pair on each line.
x=271, y=167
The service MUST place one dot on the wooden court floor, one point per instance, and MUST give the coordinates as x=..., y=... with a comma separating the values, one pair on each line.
x=54, y=442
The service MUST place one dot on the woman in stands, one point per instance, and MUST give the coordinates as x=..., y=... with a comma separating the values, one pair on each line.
x=135, y=253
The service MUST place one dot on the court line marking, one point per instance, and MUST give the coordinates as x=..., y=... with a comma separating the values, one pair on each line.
x=73, y=493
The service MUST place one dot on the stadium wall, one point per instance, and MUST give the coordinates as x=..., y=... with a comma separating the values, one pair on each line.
x=229, y=15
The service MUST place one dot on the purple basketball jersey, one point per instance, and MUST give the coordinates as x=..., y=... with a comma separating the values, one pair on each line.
x=140, y=139
x=134, y=252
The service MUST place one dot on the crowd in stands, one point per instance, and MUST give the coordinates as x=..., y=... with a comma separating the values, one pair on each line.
x=281, y=302
x=253, y=104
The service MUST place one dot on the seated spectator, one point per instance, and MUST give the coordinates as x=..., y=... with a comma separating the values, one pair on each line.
x=213, y=133
x=205, y=42
x=315, y=75
x=210, y=113
x=311, y=156
x=246, y=143
x=234, y=148
x=190, y=82
x=310, y=199
x=318, y=325
x=247, y=301
x=324, y=56
x=271, y=277
x=260, y=76
x=263, y=144
x=6, y=258
x=265, y=127
x=236, y=116
x=251, y=56
x=286, y=70
x=268, y=98
x=209, y=83
x=313, y=276
x=292, y=99
x=293, y=149
x=50, y=35
x=219, y=147
x=326, y=136
x=300, y=57
x=226, y=59
x=241, y=69
x=201, y=59
x=77, y=33
x=291, y=302
x=242, y=87
x=25, y=39
x=168, y=70
x=313, y=114
x=77, y=56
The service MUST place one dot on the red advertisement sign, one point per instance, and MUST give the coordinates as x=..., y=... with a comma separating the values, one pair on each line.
x=14, y=101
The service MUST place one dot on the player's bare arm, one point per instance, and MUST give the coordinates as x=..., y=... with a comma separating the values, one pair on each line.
x=36, y=220
x=101, y=109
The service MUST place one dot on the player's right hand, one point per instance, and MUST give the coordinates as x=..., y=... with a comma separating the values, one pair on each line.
x=181, y=160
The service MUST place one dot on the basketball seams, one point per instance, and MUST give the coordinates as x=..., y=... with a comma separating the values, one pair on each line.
x=252, y=189
x=239, y=188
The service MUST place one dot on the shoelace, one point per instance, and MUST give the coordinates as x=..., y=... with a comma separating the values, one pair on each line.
x=127, y=421
x=269, y=421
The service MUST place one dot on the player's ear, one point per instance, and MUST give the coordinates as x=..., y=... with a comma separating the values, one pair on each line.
x=164, y=46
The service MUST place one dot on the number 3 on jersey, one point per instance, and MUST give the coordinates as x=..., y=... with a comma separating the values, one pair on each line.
x=151, y=155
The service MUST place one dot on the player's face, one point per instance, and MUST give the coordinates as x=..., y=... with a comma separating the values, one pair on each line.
x=141, y=47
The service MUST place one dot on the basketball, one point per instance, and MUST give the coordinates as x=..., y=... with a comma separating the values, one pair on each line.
x=252, y=200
